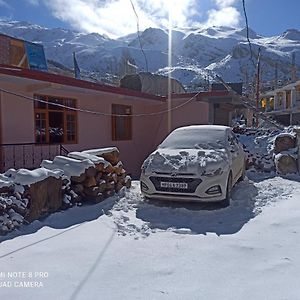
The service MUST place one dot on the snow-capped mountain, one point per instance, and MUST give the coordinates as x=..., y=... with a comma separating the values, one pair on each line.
x=196, y=53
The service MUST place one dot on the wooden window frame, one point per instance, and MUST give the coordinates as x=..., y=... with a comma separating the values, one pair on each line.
x=128, y=122
x=64, y=111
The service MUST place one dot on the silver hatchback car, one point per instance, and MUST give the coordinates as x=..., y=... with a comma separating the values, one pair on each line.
x=194, y=163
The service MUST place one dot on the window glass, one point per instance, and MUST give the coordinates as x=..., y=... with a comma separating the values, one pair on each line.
x=40, y=127
x=54, y=124
x=121, y=125
x=55, y=101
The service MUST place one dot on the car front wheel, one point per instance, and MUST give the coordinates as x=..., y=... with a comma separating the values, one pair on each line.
x=226, y=201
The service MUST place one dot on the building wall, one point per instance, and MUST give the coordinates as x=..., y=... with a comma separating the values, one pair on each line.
x=17, y=117
x=95, y=131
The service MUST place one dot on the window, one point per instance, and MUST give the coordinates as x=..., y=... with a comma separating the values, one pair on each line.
x=121, y=126
x=55, y=124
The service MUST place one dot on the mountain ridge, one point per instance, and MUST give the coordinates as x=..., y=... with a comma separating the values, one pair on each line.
x=197, y=54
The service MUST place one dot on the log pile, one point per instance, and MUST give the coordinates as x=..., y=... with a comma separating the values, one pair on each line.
x=270, y=150
x=105, y=178
x=285, y=148
x=91, y=175
x=26, y=195
x=13, y=209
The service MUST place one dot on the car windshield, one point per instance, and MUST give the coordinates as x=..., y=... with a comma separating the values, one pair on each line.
x=195, y=139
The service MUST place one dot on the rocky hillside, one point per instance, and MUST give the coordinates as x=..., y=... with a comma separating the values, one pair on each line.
x=196, y=54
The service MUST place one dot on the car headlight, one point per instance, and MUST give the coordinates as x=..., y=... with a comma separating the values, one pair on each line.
x=217, y=172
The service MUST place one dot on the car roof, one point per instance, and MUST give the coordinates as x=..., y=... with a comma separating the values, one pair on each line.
x=204, y=127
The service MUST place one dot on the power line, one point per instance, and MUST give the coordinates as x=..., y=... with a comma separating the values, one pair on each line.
x=138, y=33
x=98, y=112
x=247, y=30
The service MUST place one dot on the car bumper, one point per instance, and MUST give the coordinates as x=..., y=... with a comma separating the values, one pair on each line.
x=199, y=195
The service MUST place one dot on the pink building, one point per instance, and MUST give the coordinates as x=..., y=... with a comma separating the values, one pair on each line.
x=35, y=130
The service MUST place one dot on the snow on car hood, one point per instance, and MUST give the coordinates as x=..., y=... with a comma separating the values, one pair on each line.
x=196, y=161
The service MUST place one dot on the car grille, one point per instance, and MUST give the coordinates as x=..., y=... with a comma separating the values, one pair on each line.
x=191, y=182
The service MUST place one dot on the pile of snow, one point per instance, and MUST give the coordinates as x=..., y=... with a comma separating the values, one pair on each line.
x=101, y=151
x=84, y=155
x=22, y=177
x=258, y=145
x=69, y=166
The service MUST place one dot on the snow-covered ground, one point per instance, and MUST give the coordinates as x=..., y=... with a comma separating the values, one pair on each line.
x=128, y=248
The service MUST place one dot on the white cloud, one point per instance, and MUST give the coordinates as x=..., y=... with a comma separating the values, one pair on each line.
x=116, y=17
x=34, y=2
x=224, y=15
x=225, y=3
x=4, y=4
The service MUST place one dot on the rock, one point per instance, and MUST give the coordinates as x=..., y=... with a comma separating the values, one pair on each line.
x=286, y=164
x=284, y=142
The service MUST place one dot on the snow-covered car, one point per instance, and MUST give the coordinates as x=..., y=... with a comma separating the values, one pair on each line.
x=194, y=163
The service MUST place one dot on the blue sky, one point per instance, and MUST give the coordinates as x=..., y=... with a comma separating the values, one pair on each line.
x=116, y=18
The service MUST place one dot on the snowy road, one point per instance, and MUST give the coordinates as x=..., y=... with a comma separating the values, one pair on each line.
x=131, y=249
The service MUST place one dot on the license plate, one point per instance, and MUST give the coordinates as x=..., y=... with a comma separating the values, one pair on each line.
x=174, y=185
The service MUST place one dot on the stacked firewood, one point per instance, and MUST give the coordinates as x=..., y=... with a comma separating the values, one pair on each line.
x=13, y=209
x=104, y=178
x=91, y=175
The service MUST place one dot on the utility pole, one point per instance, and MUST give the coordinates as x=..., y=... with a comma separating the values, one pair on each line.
x=294, y=75
x=257, y=84
x=276, y=76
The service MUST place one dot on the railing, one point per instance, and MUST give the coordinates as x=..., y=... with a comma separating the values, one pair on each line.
x=28, y=155
x=63, y=150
